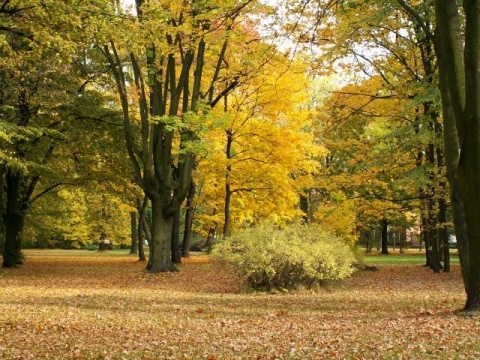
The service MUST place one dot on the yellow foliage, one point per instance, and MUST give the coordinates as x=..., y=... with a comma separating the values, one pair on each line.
x=272, y=155
x=338, y=216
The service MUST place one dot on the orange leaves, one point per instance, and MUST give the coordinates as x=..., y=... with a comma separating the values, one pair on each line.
x=78, y=305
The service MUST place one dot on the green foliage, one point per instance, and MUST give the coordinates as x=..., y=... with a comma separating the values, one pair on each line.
x=267, y=257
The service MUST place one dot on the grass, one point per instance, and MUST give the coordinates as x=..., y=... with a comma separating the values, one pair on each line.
x=410, y=256
x=90, y=305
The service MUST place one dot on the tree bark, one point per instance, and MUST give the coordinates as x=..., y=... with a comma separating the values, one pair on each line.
x=426, y=241
x=14, y=219
x=459, y=70
x=443, y=234
x=143, y=227
x=304, y=208
x=189, y=214
x=210, y=237
x=176, y=251
x=160, y=259
x=134, y=231
x=228, y=188
x=384, y=224
x=2, y=204
x=470, y=151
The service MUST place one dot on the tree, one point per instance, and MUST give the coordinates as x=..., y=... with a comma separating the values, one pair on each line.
x=261, y=154
x=44, y=103
x=458, y=52
x=175, y=92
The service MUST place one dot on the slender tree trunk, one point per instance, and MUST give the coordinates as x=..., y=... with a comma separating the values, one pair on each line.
x=210, y=237
x=434, y=244
x=143, y=227
x=426, y=241
x=228, y=199
x=384, y=223
x=443, y=234
x=304, y=208
x=134, y=231
x=189, y=214
x=176, y=251
x=228, y=189
x=403, y=240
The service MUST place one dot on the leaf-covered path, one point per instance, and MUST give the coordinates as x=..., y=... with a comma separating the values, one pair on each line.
x=83, y=306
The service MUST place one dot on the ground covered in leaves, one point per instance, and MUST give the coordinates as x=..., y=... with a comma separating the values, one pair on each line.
x=87, y=305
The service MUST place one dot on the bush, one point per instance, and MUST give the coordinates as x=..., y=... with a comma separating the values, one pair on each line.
x=270, y=258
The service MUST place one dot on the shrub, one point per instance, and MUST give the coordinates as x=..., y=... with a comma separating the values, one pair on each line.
x=270, y=258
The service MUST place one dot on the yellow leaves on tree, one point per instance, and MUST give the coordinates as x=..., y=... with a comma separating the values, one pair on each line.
x=262, y=149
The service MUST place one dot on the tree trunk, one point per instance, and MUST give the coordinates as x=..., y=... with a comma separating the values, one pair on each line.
x=210, y=237
x=160, y=258
x=176, y=253
x=434, y=248
x=403, y=240
x=134, y=231
x=443, y=234
x=304, y=208
x=425, y=235
x=470, y=152
x=384, y=224
x=14, y=219
x=459, y=70
x=190, y=211
x=143, y=227
x=2, y=206
x=228, y=189
x=228, y=198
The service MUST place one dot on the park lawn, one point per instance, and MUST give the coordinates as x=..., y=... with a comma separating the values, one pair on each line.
x=90, y=305
x=410, y=256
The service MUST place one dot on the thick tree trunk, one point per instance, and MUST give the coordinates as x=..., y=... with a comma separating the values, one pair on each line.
x=160, y=259
x=14, y=219
x=2, y=205
x=470, y=153
x=189, y=214
x=459, y=72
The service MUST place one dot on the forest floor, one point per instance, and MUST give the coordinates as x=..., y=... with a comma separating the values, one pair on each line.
x=90, y=305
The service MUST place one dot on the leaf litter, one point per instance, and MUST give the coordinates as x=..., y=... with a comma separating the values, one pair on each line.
x=109, y=307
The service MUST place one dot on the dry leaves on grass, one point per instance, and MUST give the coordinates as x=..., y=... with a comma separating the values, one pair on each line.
x=108, y=307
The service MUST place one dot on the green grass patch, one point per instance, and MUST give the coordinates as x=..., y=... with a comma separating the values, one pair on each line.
x=411, y=257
